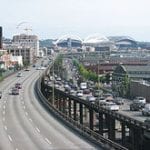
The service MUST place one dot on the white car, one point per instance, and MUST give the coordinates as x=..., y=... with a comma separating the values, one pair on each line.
x=112, y=106
x=146, y=110
x=79, y=93
x=140, y=99
x=90, y=98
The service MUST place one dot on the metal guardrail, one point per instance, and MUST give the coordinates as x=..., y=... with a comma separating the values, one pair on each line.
x=98, y=109
x=97, y=138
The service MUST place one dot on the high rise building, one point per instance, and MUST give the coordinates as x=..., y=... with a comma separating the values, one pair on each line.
x=27, y=41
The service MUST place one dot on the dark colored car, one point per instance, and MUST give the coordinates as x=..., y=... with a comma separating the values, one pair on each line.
x=136, y=106
x=15, y=91
x=18, y=85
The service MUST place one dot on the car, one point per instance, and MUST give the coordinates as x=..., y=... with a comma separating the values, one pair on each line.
x=118, y=100
x=100, y=101
x=97, y=93
x=86, y=91
x=15, y=91
x=18, y=85
x=140, y=99
x=136, y=106
x=79, y=93
x=26, y=69
x=91, y=99
x=112, y=106
x=146, y=110
x=19, y=74
x=0, y=94
x=147, y=121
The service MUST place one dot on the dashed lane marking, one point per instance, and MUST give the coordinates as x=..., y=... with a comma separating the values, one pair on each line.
x=30, y=119
x=10, y=138
x=47, y=140
x=5, y=127
x=37, y=129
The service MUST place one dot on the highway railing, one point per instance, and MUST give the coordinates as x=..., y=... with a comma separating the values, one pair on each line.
x=85, y=131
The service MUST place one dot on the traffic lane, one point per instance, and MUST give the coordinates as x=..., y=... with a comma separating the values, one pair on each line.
x=45, y=122
x=18, y=126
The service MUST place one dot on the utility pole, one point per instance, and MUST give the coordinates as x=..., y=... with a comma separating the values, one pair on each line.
x=53, y=95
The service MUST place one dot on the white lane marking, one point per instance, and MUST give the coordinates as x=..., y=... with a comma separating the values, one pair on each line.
x=4, y=106
x=10, y=138
x=5, y=127
x=4, y=101
x=16, y=148
x=26, y=113
x=30, y=119
x=37, y=129
x=4, y=112
x=47, y=140
x=24, y=107
x=3, y=118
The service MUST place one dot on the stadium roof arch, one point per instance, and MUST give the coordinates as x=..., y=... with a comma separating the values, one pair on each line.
x=95, y=39
x=66, y=37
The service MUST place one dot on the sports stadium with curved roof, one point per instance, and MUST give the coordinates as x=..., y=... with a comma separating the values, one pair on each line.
x=67, y=41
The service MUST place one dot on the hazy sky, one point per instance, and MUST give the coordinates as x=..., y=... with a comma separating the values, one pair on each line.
x=54, y=18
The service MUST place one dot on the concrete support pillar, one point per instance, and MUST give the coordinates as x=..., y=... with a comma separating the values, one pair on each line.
x=81, y=113
x=91, y=118
x=69, y=105
x=136, y=138
x=123, y=133
x=111, y=128
x=75, y=110
x=100, y=120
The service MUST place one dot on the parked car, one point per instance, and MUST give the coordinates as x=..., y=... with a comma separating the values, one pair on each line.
x=0, y=94
x=136, y=106
x=146, y=110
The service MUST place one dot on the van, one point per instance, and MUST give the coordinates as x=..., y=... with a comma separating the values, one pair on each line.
x=83, y=85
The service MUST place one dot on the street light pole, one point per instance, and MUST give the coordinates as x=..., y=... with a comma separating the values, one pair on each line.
x=53, y=96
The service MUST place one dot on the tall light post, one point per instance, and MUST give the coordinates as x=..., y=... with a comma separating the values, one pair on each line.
x=53, y=94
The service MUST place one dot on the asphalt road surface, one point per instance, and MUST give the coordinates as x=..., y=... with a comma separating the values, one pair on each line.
x=26, y=125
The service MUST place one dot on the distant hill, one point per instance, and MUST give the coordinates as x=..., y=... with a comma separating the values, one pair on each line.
x=46, y=43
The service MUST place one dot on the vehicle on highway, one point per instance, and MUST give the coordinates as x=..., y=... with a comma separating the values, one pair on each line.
x=0, y=94
x=136, y=106
x=146, y=110
x=19, y=74
x=147, y=121
x=91, y=99
x=118, y=100
x=83, y=85
x=15, y=91
x=112, y=106
x=100, y=101
x=86, y=91
x=79, y=93
x=97, y=93
x=140, y=99
x=18, y=85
